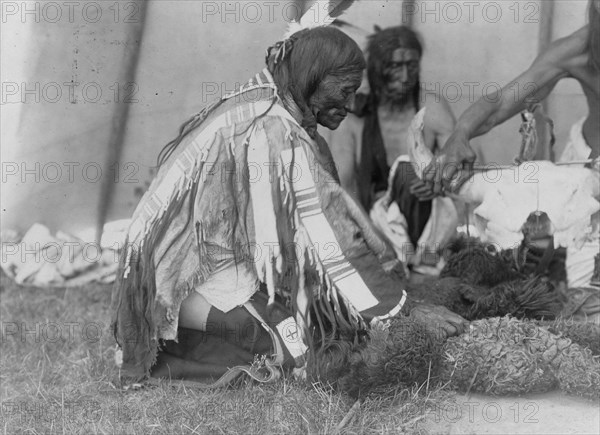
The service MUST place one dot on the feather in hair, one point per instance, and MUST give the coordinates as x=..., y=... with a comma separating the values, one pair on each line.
x=321, y=13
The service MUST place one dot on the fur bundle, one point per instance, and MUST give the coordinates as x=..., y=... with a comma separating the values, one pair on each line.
x=498, y=356
x=477, y=283
x=533, y=298
x=504, y=355
x=476, y=264
x=397, y=356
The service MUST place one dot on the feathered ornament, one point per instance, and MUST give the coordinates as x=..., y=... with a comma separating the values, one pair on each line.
x=321, y=13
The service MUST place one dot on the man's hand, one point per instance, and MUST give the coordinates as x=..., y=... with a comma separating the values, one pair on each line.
x=439, y=320
x=455, y=153
x=421, y=190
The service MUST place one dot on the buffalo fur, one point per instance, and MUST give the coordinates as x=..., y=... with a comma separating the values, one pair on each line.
x=398, y=356
x=476, y=264
x=478, y=283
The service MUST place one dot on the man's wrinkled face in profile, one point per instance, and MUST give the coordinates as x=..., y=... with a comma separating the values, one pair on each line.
x=401, y=73
x=334, y=97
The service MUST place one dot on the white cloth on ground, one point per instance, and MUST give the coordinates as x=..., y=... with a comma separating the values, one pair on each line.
x=42, y=259
x=440, y=227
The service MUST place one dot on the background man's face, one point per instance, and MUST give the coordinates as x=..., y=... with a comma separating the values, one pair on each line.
x=401, y=73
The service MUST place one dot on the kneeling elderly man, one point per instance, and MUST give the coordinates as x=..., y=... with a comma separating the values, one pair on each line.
x=245, y=244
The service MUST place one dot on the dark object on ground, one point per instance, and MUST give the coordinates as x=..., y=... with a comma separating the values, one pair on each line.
x=533, y=298
x=477, y=264
x=478, y=282
x=446, y=292
x=538, y=261
x=396, y=357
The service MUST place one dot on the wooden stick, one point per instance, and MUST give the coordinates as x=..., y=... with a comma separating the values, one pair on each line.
x=491, y=167
x=575, y=162
x=347, y=417
x=483, y=168
x=545, y=29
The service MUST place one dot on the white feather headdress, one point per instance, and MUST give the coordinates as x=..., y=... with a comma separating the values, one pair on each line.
x=321, y=13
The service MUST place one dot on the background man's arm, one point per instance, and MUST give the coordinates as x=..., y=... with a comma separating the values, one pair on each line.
x=439, y=125
x=531, y=86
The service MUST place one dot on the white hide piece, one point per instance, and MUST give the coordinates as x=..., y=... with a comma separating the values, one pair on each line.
x=420, y=156
x=505, y=198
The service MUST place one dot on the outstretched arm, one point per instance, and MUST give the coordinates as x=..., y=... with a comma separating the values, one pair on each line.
x=531, y=86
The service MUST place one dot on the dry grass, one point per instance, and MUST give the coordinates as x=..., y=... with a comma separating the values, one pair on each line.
x=58, y=376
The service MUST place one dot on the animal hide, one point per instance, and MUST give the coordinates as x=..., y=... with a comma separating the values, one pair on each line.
x=478, y=283
x=497, y=356
x=502, y=356
x=566, y=194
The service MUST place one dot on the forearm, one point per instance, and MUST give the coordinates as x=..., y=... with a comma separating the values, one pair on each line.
x=533, y=85
x=486, y=113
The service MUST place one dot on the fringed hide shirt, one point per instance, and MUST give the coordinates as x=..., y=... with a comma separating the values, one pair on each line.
x=246, y=198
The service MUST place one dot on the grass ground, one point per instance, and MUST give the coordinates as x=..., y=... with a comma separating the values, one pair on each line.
x=57, y=375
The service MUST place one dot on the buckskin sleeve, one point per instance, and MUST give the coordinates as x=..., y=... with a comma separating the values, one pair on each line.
x=335, y=231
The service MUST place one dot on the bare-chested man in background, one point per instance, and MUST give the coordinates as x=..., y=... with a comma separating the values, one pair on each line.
x=368, y=143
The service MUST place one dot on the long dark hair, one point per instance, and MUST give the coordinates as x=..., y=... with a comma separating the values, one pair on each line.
x=307, y=58
x=298, y=65
x=380, y=48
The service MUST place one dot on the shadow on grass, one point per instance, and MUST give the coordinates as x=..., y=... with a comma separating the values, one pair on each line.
x=57, y=375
